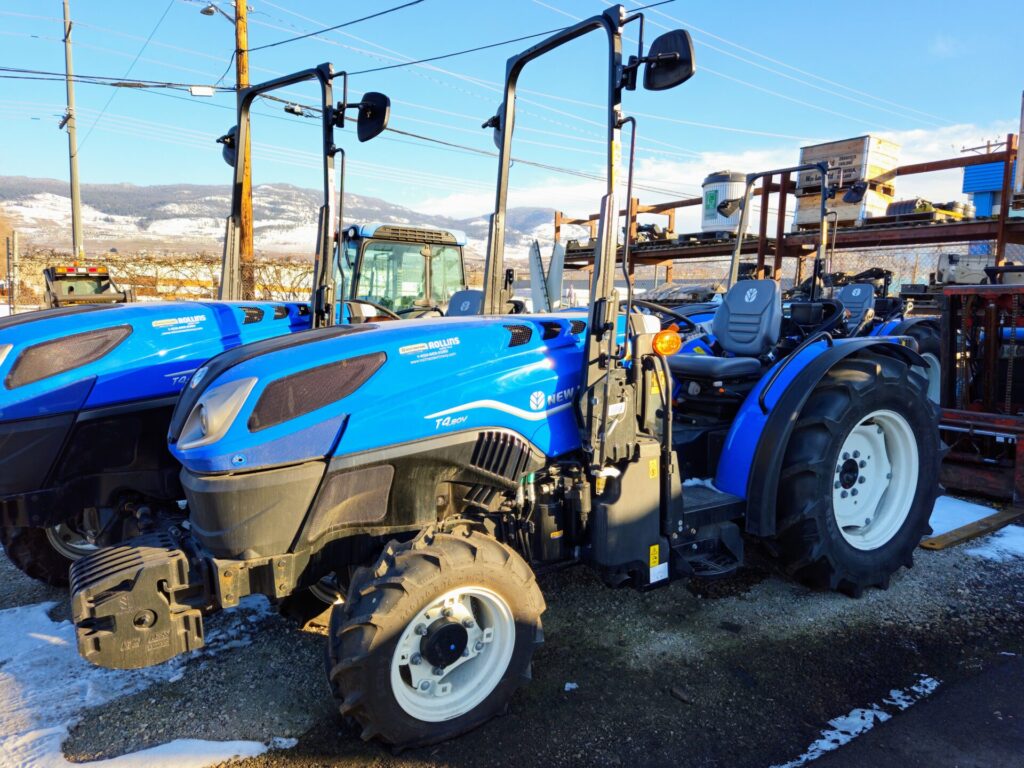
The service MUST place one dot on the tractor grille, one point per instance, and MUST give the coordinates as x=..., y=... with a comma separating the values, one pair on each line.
x=252, y=315
x=300, y=393
x=521, y=334
x=551, y=331
x=577, y=327
x=280, y=312
x=501, y=454
x=412, y=235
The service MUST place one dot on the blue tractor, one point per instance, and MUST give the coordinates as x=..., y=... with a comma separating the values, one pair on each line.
x=88, y=390
x=431, y=469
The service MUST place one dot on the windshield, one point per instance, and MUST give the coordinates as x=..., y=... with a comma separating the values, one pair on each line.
x=394, y=275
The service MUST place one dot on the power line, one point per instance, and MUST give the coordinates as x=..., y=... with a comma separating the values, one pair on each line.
x=37, y=74
x=337, y=26
x=128, y=71
x=456, y=53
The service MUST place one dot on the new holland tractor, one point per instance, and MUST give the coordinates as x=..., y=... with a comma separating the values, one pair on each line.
x=87, y=395
x=432, y=468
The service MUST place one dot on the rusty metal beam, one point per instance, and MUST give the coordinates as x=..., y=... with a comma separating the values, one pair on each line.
x=1007, y=194
x=953, y=162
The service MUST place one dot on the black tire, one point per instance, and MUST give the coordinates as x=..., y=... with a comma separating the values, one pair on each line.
x=810, y=541
x=32, y=553
x=929, y=342
x=384, y=599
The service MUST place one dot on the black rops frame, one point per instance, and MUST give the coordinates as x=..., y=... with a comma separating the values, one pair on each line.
x=373, y=114
x=673, y=49
x=748, y=193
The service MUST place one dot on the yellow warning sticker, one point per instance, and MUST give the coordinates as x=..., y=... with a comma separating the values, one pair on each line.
x=655, y=555
x=652, y=469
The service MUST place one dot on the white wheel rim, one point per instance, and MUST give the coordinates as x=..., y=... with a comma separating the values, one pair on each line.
x=932, y=373
x=434, y=694
x=68, y=543
x=875, y=479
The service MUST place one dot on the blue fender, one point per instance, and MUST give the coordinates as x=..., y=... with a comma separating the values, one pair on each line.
x=752, y=455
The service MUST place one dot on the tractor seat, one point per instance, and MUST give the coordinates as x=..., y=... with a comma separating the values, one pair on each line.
x=466, y=303
x=858, y=299
x=747, y=325
x=712, y=367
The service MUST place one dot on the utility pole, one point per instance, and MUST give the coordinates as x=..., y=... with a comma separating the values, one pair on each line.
x=245, y=225
x=77, y=247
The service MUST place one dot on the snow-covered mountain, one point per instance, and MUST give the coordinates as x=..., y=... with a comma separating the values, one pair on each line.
x=180, y=217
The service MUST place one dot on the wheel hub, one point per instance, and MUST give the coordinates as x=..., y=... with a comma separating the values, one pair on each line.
x=848, y=472
x=444, y=643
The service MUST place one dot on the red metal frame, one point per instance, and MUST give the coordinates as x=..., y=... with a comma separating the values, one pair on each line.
x=980, y=416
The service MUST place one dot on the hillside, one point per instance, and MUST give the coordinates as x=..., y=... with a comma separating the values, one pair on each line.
x=184, y=217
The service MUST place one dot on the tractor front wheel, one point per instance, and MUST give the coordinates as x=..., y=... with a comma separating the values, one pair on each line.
x=45, y=554
x=434, y=638
x=859, y=476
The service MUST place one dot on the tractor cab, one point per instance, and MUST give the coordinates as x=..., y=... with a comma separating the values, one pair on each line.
x=76, y=284
x=386, y=271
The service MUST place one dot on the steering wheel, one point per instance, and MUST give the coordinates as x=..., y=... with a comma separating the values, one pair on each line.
x=664, y=314
x=381, y=309
x=425, y=310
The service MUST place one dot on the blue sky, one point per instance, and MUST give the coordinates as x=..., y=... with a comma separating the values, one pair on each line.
x=772, y=75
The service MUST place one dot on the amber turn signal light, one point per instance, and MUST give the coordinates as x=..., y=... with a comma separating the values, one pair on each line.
x=667, y=342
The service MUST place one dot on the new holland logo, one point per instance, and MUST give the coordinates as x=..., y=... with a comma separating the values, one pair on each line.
x=855, y=292
x=750, y=295
x=537, y=400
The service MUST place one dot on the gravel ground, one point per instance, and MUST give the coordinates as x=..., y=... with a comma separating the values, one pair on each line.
x=741, y=672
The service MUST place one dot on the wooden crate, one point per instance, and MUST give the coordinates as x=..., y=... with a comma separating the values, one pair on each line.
x=869, y=158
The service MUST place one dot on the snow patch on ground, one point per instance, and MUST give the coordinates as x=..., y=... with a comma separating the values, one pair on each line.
x=45, y=687
x=1005, y=544
x=846, y=728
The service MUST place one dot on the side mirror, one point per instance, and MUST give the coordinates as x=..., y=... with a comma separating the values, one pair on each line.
x=856, y=192
x=495, y=123
x=229, y=150
x=669, y=62
x=374, y=112
x=728, y=207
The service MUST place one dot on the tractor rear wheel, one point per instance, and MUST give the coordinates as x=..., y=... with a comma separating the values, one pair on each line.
x=45, y=554
x=926, y=333
x=434, y=638
x=859, y=475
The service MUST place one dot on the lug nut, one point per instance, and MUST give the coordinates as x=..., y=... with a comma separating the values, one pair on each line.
x=843, y=495
x=425, y=685
x=468, y=623
x=421, y=629
x=437, y=671
x=856, y=454
x=846, y=456
x=861, y=479
x=837, y=484
x=853, y=492
x=447, y=613
x=862, y=464
x=415, y=659
x=479, y=646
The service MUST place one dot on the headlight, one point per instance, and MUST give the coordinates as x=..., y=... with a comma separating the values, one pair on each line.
x=214, y=414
